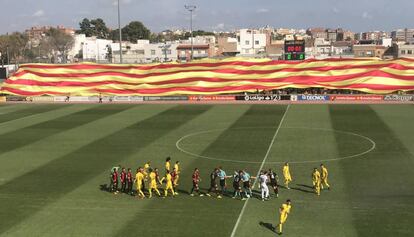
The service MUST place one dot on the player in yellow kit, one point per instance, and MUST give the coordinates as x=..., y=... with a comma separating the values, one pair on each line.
x=153, y=183
x=145, y=172
x=286, y=175
x=324, y=177
x=177, y=171
x=167, y=165
x=284, y=211
x=139, y=179
x=316, y=181
x=168, y=185
x=147, y=166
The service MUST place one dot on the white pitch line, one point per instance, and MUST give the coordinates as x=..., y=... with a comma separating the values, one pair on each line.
x=373, y=146
x=233, y=233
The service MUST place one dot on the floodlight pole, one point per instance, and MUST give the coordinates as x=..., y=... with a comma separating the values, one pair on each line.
x=253, y=53
x=120, y=32
x=8, y=55
x=165, y=52
x=191, y=8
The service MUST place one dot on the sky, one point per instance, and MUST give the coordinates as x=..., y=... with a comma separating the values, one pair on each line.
x=212, y=15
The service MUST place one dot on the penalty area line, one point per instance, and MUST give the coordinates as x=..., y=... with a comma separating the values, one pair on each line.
x=233, y=233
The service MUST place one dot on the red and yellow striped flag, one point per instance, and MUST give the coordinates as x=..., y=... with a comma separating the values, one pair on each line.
x=211, y=77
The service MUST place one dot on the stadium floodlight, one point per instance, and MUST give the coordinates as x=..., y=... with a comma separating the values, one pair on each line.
x=191, y=9
x=120, y=32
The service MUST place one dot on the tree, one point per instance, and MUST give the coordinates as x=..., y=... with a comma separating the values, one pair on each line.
x=134, y=31
x=85, y=27
x=15, y=44
x=156, y=38
x=61, y=42
x=94, y=27
x=99, y=29
x=29, y=54
x=3, y=48
x=44, y=50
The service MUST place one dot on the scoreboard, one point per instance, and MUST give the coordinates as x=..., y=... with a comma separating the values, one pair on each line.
x=294, y=50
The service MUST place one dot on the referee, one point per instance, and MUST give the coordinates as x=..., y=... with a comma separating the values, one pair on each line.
x=222, y=176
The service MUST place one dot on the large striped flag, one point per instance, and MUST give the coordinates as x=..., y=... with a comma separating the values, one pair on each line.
x=211, y=77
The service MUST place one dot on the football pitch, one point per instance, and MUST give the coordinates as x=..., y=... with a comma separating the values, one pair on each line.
x=55, y=159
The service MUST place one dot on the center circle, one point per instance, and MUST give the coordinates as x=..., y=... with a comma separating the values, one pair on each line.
x=292, y=144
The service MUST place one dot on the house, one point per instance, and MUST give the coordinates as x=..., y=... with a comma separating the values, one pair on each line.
x=275, y=51
x=369, y=51
x=317, y=33
x=342, y=48
x=227, y=46
x=405, y=51
x=199, y=51
x=145, y=52
x=403, y=35
x=89, y=49
x=252, y=42
x=322, y=48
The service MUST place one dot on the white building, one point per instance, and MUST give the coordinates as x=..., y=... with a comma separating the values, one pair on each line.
x=251, y=42
x=204, y=39
x=322, y=49
x=145, y=52
x=76, y=50
x=406, y=51
x=95, y=50
x=89, y=49
x=386, y=42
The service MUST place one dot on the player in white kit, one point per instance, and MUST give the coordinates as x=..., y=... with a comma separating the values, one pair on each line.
x=264, y=179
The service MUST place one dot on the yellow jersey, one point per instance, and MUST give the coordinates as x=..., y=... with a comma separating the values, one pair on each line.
x=177, y=168
x=324, y=174
x=146, y=166
x=285, y=209
x=153, y=177
x=316, y=176
x=168, y=177
x=286, y=171
x=167, y=165
x=139, y=178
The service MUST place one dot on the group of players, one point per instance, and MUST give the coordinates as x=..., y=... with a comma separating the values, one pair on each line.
x=242, y=185
x=143, y=175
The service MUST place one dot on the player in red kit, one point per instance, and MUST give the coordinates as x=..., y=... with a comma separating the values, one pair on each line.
x=174, y=176
x=123, y=180
x=196, y=181
x=130, y=181
x=157, y=176
x=115, y=182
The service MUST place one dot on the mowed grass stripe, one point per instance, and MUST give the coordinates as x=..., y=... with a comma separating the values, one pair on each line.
x=29, y=111
x=67, y=173
x=192, y=213
x=231, y=143
x=23, y=137
x=8, y=108
x=86, y=202
x=380, y=185
x=309, y=211
x=23, y=122
x=248, y=138
x=397, y=117
x=34, y=155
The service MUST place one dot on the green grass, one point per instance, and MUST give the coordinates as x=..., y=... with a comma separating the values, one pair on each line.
x=54, y=158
